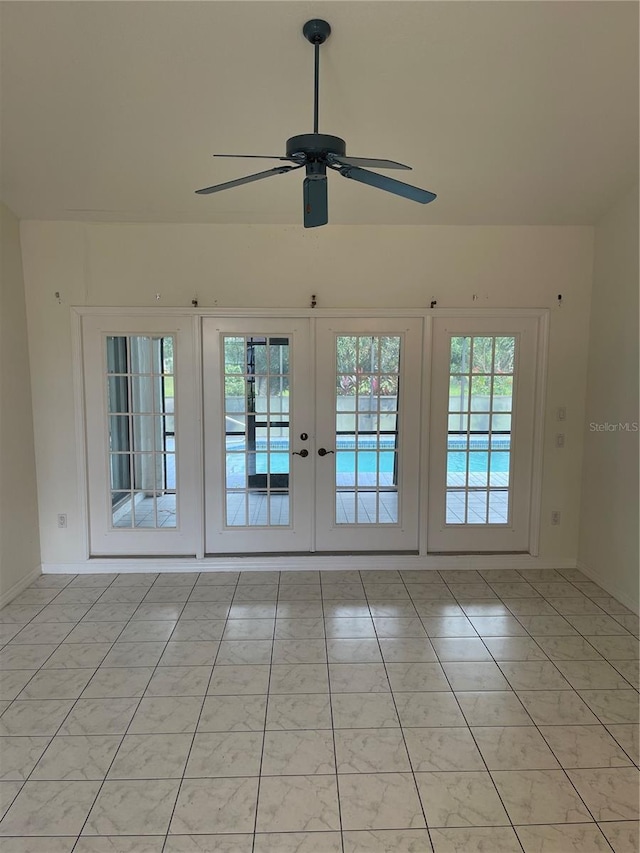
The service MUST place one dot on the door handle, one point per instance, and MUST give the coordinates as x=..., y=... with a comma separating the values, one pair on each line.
x=323, y=452
x=304, y=453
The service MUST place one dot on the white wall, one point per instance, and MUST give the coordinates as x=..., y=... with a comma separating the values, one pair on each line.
x=608, y=544
x=278, y=266
x=19, y=539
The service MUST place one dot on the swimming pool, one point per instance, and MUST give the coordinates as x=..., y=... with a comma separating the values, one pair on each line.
x=370, y=460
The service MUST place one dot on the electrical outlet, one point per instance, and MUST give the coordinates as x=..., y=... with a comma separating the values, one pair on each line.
x=561, y=413
x=560, y=439
x=62, y=519
x=555, y=516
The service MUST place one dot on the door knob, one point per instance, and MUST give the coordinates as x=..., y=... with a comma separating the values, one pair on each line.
x=304, y=452
x=323, y=452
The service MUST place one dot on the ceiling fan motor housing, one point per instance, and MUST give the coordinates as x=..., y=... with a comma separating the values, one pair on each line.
x=315, y=146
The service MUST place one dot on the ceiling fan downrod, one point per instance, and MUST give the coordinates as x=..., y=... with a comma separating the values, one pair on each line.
x=316, y=32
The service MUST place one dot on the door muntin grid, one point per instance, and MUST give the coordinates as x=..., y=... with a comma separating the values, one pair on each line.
x=366, y=429
x=140, y=391
x=480, y=412
x=256, y=412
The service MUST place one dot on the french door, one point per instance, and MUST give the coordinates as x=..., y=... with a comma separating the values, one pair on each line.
x=483, y=415
x=311, y=434
x=142, y=436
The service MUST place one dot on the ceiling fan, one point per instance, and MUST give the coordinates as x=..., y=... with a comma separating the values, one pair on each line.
x=318, y=152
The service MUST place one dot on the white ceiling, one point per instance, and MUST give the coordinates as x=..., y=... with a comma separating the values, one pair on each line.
x=512, y=112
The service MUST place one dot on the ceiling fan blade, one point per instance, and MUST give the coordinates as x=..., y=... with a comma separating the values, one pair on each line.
x=255, y=156
x=316, y=210
x=368, y=162
x=390, y=185
x=279, y=170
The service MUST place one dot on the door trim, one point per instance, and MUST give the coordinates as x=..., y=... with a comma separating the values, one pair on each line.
x=501, y=560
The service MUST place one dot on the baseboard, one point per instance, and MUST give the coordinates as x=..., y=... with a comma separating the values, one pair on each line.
x=18, y=586
x=308, y=562
x=613, y=589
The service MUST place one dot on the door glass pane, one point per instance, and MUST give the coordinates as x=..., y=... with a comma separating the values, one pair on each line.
x=257, y=391
x=142, y=445
x=481, y=373
x=366, y=458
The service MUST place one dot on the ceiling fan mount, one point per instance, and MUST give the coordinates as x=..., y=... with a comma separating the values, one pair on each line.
x=316, y=31
x=318, y=152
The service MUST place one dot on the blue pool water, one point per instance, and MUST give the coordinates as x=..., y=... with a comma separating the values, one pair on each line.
x=368, y=460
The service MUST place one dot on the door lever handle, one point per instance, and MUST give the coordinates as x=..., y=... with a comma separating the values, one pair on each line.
x=323, y=452
x=304, y=453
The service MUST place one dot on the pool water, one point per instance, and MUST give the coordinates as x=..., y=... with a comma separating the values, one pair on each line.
x=370, y=461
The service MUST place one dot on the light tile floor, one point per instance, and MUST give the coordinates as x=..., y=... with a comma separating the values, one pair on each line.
x=307, y=712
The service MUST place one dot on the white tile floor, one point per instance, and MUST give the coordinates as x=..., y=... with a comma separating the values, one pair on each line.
x=332, y=712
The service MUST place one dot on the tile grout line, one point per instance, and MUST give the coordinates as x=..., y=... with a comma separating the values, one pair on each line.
x=27, y=778
x=124, y=734
x=266, y=711
x=393, y=699
x=204, y=699
x=513, y=826
x=333, y=731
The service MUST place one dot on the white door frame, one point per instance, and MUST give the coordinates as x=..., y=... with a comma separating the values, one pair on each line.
x=103, y=537
x=522, y=532
x=219, y=537
x=196, y=315
x=403, y=535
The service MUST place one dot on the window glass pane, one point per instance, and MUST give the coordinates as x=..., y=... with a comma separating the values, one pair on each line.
x=345, y=422
x=121, y=515
x=166, y=509
x=142, y=445
x=386, y=461
x=456, y=507
x=478, y=468
x=470, y=465
x=346, y=388
x=167, y=354
x=390, y=354
x=460, y=352
x=459, y=394
x=235, y=360
x=279, y=509
x=477, y=507
x=141, y=358
x=480, y=393
x=499, y=469
x=345, y=507
x=345, y=468
x=388, y=507
x=258, y=356
x=367, y=354
x=458, y=423
x=501, y=423
x=117, y=357
x=148, y=471
x=389, y=421
x=479, y=423
x=367, y=507
x=499, y=507
x=279, y=356
x=502, y=393
x=505, y=354
x=144, y=396
x=346, y=354
x=482, y=355
x=120, y=472
x=236, y=509
x=144, y=509
x=117, y=393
